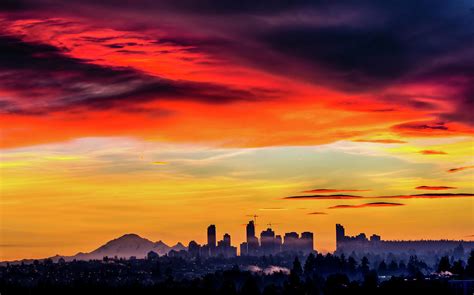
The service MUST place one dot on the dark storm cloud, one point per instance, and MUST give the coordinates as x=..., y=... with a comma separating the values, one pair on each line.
x=203, y=7
x=47, y=80
x=350, y=58
x=12, y=5
x=363, y=46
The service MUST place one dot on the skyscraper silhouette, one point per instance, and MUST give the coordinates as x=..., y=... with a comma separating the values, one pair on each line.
x=267, y=241
x=211, y=238
x=307, y=241
x=250, y=230
x=226, y=240
x=340, y=234
x=290, y=241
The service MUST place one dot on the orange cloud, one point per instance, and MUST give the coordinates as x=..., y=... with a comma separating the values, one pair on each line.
x=323, y=197
x=330, y=190
x=432, y=152
x=453, y=170
x=245, y=102
x=376, y=204
x=434, y=188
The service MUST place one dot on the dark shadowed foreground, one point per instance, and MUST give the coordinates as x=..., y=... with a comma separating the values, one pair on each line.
x=314, y=274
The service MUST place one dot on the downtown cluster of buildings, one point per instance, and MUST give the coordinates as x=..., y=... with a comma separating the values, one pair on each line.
x=360, y=243
x=271, y=244
x=268, y=244
x=213, y=248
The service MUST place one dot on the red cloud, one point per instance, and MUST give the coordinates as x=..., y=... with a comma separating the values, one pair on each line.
x=432, y=152
x=323, y=197
x=376, y=204
x=452, y=170
x=429, y=196
x=317, y=213
x=434, y=188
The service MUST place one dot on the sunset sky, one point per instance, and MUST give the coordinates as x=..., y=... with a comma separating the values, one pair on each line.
x=162, y=117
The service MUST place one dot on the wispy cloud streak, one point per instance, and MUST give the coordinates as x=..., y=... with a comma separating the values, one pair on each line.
x=376, y=204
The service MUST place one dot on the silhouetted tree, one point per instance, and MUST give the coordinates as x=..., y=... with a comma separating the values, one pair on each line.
x=297, y=269
x=352, y=264
x=336, y=284
x=342, y=263
x=393, y=266
x=228, y=288
x=470, y=265
x=416, y=266
x=250, y=287
x=370, y=280
x=444, y=264
x=270, y=290
x=382, y=267
x=310, y=264
x=156, y=269
x=402, y=266
x=364, y=265
x=458, y=268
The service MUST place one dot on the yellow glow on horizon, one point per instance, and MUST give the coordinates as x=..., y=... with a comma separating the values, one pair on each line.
x=98, y=196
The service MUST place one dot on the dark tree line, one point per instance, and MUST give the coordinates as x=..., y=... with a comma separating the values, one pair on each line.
x=314, y=274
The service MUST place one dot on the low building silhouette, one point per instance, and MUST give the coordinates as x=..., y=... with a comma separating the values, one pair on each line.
x=360, y=243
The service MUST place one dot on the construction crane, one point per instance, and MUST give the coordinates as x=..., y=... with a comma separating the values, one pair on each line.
x=271, y=223
x=254, y=218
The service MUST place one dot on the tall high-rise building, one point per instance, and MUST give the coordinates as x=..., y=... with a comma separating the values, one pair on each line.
x=250, y=230
x=226, y=240
x=253, y=246
x=340, y=234
x=211, y=237
x=307, y=242
x=278, y=244
x=290, y=241
x=267, y=241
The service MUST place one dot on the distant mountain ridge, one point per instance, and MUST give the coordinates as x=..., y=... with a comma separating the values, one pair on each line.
x=125, y=246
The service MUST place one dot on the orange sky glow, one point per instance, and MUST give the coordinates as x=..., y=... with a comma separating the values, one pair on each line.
x=162, y=126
